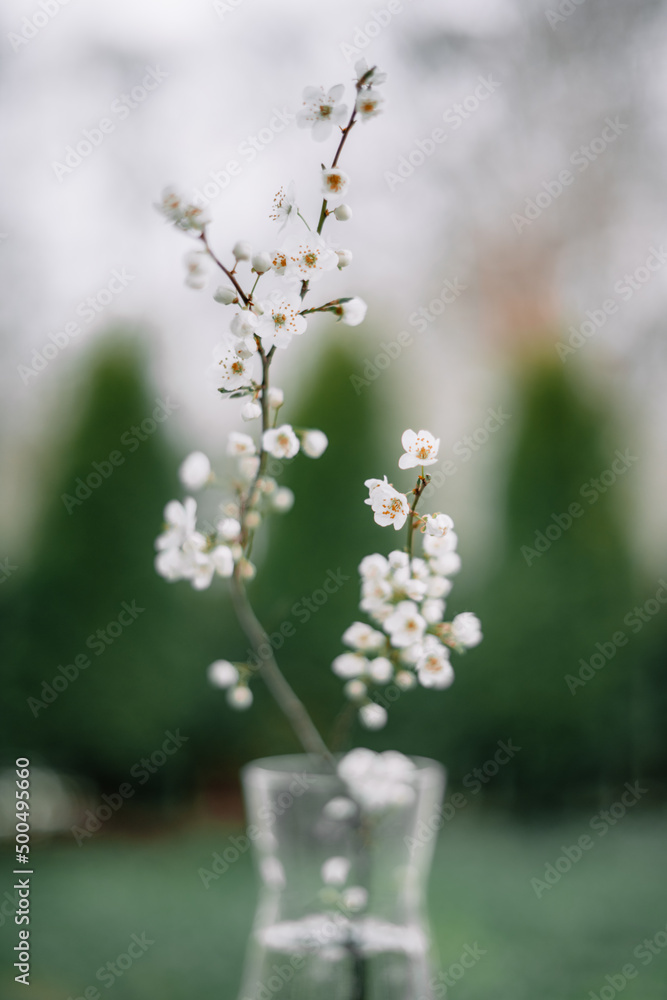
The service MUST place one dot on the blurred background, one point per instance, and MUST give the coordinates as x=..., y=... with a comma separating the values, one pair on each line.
x=508, y=219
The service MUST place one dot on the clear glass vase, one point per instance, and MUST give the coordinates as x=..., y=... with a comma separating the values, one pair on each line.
x=343, y=867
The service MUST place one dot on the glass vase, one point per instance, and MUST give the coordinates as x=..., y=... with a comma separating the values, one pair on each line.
x=343, y=867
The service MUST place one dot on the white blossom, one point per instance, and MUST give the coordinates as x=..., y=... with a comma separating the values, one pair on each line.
x=281, y=442
x=381, y=670
x=361, y=68
x=467, y=630
x=438, y=586
x=229, y=529
x=374, y=567
x=355, y=690
x=354, y=898
x=343, y=212
x=222, y=560
x=322, y=110
x=240, y=697
x=222, y=673
x=284, y=206
x=405, y=626
x=251, y=409
x=353, y=312
x=235, y=372
x=242, y=250
x=368, y=103
x=282, y=500
x=405, y=680
x=195, y=471
x=310, y=257
x=373, y=716
x=195, y=273
x=344, y=260
x=335, y=182
x=225, y=296
x=240, y=444
x=433, y=610
x=275, y=397
x=362, y=637
x=335, y=871
x=261, y=262
x=437, y=524
x=244, y=324
x=348, y=665
x=280, y=321
x=340, y=808
x=314, y=443
x=378, y=781
x=248, y=467
x=420, y=449
x=182, y=214
x=433, y=668
x=388, y=505
x=180, y=521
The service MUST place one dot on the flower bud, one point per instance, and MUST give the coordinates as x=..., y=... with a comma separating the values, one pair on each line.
x=283, y=500
x=405, y=680
x=373, y=716
x=240, y=697
x=343, y=213
x=261, y=262
x=344, y=258
x=251, y=410
x=242, y=250
x=229, y=529
x=253, y=519
x=314, y=443
x=355, y=690
x=222, y=673
x=247, y=569
x=225, y=296
x=275, y=397
x=195, y=471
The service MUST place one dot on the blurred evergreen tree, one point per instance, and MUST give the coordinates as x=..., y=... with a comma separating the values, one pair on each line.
x=92, y=560
x=563, y=586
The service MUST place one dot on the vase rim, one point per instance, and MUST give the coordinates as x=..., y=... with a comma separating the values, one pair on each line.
x=312, y=764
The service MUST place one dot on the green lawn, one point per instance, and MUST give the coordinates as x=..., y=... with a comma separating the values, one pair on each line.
x=87, y=902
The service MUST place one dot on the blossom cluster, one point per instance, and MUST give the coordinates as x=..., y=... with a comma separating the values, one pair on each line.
x=409, y=642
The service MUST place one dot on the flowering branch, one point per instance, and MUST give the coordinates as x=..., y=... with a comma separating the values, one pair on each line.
x=258, y=328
